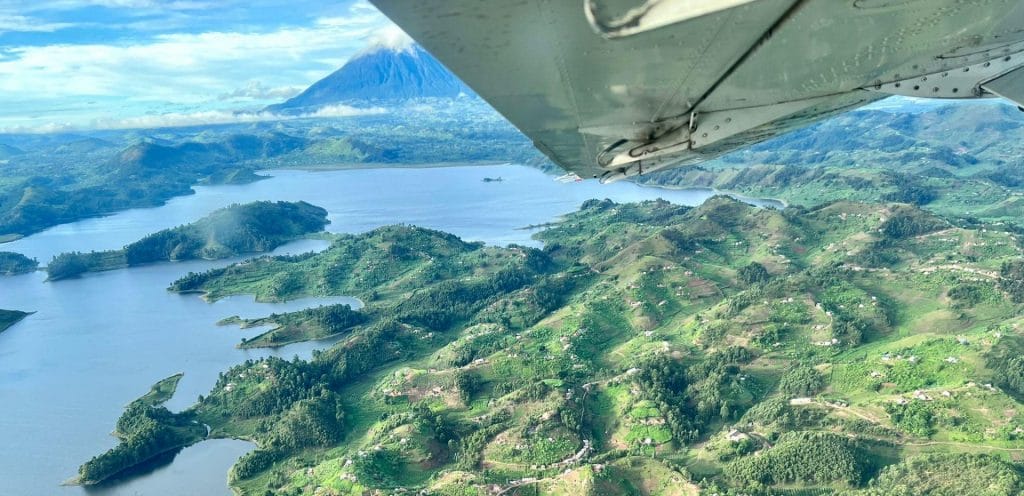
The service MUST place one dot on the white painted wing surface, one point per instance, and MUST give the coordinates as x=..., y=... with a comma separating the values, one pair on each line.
x=613, y=88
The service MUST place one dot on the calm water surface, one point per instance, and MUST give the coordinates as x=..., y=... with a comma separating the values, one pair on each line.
x=98, y=342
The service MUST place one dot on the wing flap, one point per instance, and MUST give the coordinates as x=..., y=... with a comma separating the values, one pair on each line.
x=1009, y=86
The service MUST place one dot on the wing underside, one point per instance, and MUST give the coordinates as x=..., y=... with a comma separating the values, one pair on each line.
x=613, y=88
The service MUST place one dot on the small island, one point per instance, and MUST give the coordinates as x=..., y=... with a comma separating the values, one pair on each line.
x=146, y=429
x=10, y=317
x=250, y=228
x=12, y=264
x=304, y=325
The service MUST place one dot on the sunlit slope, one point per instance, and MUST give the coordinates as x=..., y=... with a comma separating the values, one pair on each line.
x=956, y=160
x=648, y=349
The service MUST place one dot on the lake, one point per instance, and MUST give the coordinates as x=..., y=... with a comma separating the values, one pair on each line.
x=98, y=342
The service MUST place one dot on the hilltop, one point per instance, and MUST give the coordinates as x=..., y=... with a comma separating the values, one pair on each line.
x=836, y=349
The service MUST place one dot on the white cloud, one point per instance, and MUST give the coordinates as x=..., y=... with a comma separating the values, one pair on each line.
x=255, y=90
x=170, y=79
x=389, y=37
x=185, y=119
x=23, y=24
x=181, y=68
x=123, y=4
x=344, y=111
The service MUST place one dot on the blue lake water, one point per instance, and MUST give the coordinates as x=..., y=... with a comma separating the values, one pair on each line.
x=98, y=342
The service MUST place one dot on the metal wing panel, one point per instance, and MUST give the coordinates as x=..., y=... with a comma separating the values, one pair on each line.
x=541, y=65
x=827, y=47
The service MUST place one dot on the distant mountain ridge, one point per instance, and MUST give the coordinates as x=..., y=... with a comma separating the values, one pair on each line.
x=380, y=74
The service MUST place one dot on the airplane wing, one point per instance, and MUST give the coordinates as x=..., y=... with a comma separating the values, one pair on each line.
x=615, y=88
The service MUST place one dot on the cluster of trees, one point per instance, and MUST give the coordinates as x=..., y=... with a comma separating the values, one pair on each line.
x=377, y=467
x=967, y=294
x=1011, y=177
x=801, y=380
x=802, y=457
x=690, y=397
x=948, y=473
x=1011, y=279
x=1007, y=365
x=254, y=462
x=145, y=431
x=467, y=383
x=335, y=318
x=74, y=264
x=299, y=411
x=913, y=193
x=905, y=223
x=466, y=351
x=318, y=421
x=908, y=222
x=445, y=304
x=909, y=189
x=294, y=380
x=777, y=411
x=193, y=281
x=753, y=273
x=371, y=347
x=15, y=263
x=310, y=323
x=916, y=418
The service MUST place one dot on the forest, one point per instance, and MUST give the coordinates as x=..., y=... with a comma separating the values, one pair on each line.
x=15, y=263
x=145, y=429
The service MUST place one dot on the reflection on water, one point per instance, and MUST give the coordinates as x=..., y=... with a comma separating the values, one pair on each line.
x=202, y=464
x=98, y=342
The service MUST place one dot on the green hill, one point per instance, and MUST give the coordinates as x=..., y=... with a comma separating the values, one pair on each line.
x=956, y=160
x=648, y=349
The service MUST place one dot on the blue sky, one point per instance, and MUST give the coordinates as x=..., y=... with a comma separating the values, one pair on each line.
x=80, y=64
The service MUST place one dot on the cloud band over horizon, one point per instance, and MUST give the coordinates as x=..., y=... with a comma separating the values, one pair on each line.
x=151, y=61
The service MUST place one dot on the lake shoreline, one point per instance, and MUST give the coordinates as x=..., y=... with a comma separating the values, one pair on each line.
x=158, y=394
x=733, y=194
x=7, y=324
x=150, y=329
x=387, y=165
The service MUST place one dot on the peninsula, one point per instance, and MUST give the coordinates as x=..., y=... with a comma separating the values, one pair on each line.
x=231, y=231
